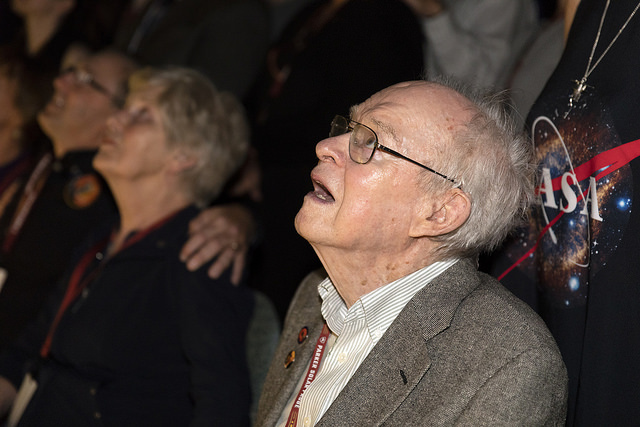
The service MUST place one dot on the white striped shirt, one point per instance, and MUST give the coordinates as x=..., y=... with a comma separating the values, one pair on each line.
x=355, y=331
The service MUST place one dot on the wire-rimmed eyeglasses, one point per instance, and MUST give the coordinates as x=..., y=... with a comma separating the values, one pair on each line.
x=363, y=142
x=82, y=76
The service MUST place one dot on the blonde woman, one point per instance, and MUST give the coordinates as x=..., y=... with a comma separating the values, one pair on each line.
x=138, y=339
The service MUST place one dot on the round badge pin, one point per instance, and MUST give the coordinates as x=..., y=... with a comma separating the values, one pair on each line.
x=82, y=191
x=303, y=334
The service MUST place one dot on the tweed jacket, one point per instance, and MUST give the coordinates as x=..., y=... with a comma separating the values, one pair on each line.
x=463, y=351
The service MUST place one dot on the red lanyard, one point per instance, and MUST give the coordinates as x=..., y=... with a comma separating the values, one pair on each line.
x=321, y=345
x=80, y=279
x=15, y=171
x=11, y=182
x=76, y=285
x=29, y=196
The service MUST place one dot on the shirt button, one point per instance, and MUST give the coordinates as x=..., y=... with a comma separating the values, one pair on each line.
x=97, y=415
x=342, y=357
x=307, y=421
x=93, y=391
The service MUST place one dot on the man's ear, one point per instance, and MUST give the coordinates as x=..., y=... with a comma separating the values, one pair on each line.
x=443, y=216
x=181, y=161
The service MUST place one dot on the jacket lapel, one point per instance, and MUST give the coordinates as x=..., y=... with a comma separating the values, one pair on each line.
x=400, y=359
x=282, y=382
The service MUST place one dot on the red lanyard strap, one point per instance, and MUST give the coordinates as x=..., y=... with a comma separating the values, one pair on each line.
x=17, y=170
x=80, y=279
x=76, y=285
x=321, y=345
x=29, y=196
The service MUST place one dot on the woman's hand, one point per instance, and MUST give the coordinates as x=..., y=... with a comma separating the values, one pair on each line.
x=223, y=232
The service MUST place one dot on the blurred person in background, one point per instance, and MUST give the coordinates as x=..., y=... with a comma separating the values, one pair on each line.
x=476, y=41
x=21, y=140
x=53, y=35
x=9, y=22
x=63, y=197
x=576, y=262
x=540, y=59
x=224, y=39
x=133, y=337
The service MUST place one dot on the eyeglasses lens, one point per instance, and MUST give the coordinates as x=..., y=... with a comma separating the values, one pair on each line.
x=339, y=126
x=362, y=141
x=362, y=144
x=83, y=77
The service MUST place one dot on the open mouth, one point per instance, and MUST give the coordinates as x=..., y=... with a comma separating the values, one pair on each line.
x=109, y=135
x=106, y=140
x=55, y=103
x=321, y=192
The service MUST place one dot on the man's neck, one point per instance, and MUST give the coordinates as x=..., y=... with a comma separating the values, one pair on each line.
x=357, y=274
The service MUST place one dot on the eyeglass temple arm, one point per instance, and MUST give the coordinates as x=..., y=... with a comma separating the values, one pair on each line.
x=395, y=153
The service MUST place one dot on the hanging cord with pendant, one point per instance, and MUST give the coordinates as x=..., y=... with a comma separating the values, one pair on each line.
x=581, y=84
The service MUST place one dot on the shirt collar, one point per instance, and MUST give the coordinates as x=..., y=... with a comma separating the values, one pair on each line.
x=379, y=307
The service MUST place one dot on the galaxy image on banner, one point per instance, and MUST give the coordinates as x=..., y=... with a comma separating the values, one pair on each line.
x=585, y=193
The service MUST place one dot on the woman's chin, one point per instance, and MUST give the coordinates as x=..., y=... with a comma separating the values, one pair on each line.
x=102, y=162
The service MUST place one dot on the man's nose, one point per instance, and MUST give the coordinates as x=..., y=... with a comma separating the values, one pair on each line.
x=334, y=149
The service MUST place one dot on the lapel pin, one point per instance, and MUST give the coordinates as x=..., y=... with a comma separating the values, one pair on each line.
x=291, y=357
x=303, y=334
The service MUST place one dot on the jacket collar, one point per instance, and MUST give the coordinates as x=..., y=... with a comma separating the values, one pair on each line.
x=389, y=368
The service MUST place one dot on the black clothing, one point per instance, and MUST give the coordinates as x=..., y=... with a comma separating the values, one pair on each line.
x=73, y=200
x=584, y=275
x=46, y=64
x=9, y=22
x=224, y=39
x=146, y=342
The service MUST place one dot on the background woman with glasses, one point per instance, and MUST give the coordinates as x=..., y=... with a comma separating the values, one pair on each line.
x=133, y=338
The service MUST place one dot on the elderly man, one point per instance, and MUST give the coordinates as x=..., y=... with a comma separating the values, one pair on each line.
x=405, y=330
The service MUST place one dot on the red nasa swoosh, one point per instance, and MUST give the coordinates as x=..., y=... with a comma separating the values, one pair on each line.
x=606, y=162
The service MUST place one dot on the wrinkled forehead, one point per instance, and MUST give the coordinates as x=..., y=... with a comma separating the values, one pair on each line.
x=415, y=108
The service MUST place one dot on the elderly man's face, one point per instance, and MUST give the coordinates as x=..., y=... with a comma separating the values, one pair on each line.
x=379, y=208
x=370, y=207
x=78, y=111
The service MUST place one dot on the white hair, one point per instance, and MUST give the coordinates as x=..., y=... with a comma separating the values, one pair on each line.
x=494, y=162
x=200, y=119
